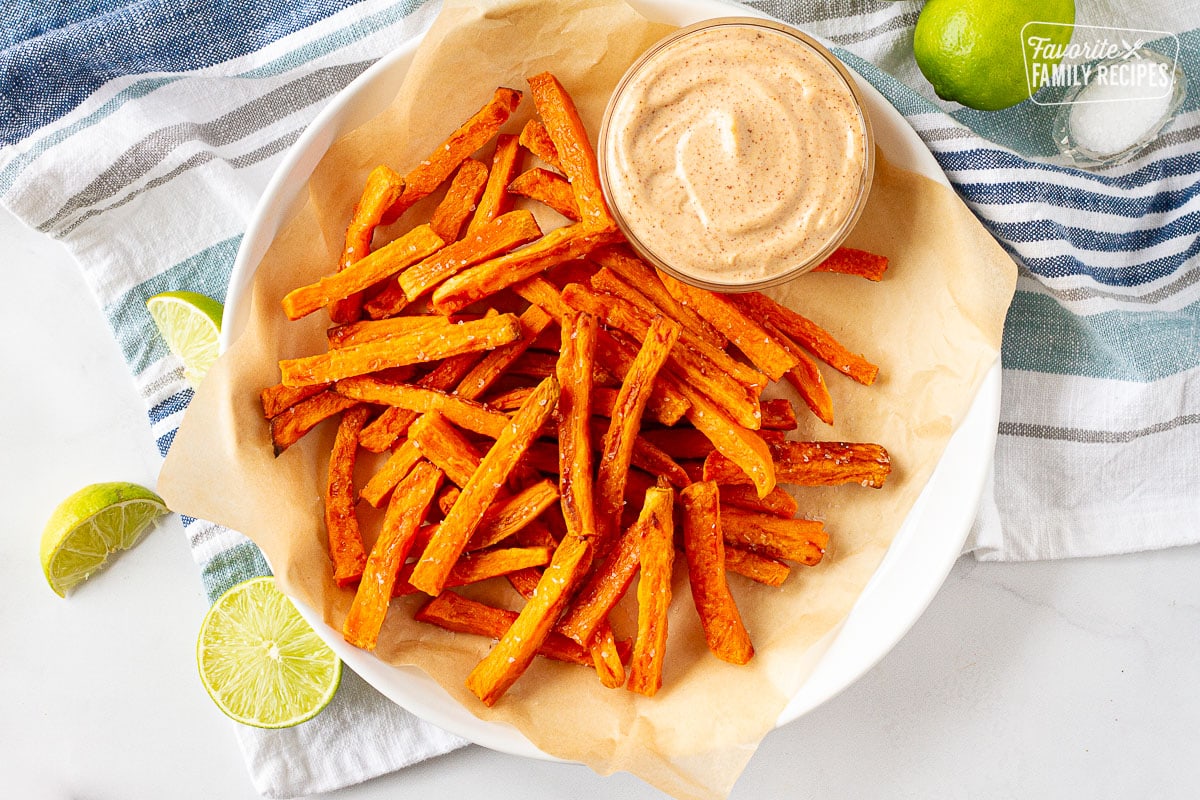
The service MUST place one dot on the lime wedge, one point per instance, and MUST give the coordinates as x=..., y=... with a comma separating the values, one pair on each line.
x=91, y=525
x=190, y=324
x=261, y=662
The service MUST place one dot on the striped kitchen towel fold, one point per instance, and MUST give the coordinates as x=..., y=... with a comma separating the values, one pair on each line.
x=141, y=133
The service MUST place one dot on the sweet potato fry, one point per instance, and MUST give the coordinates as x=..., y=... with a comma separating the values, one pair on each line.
x=511, y=656
x=778, y=415
x=483, y=564
x=386, y=299
x=760, y=569
x=290, y=425
x=616, y=450
x=504, y=519
x=743, y=447
x=456, y=613
x=536, y=140
x=801, y=540
x=574, y=148
x=455, y=531
x=460, y=200
x=549, y=189
x=704, y=547
x=447, y=156
x=559, y=245
x=656, y=555
x=740, y=329
x=808, y=335
x=279, y=398
x=410, y=248
x=487, y=240
x=813, y=464
x=806, y=378
x=442, y=444
x=382, y=188
x=405, y=512
x=496, y=200
x=603, y=588
x=341, y=522
x=484, y=374
x=777, y=501
x=376, y=330
x=397, y=466
x=574, y=372
x=849, y=261
x=466, y=414
x=412, y=348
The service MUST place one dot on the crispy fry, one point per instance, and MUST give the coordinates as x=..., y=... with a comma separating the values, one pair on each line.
x=574, y=148
x=412, y=348
x=464, y=413
x=376, y=330
x=548, y=188
x=438, y=559
x=382, y=188
x=617, y=448
x=849, y=261
x=739, y=328
x=511, y=656
x=743, y=447
x=813, y=464
x=477, y=282
x=704, y=546
x=481, y=377
x=405, y=511
x=574, y=372
x=487, y=240
x=290, y=425
x=504, y=519
x=777, y=501
x=536, y=140
x=446, y=157
x=341, y=522
x=442, y=444
x=656, y=555
x=398, y=465
x=387, y=299
x=801, y=540
x=456, y=613
x=279, y=398
x=806, y=378
x=603, y=588
x=410, y=248
x=460, y=200
x=778, y=415
x=483, y=564
x=496, y=200
x=757, y=568
x=808, y=335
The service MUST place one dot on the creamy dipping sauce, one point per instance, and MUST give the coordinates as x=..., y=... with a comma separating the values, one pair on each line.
x=735, y=154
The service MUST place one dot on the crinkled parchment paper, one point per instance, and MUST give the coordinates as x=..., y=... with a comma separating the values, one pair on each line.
x=933, y=325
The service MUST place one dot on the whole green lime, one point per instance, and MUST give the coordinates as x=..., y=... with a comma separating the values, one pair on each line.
x=972, y=50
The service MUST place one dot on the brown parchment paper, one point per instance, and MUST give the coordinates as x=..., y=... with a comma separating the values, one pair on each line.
x=933, y=325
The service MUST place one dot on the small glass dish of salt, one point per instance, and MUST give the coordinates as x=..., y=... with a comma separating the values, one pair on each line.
x=1121, y=110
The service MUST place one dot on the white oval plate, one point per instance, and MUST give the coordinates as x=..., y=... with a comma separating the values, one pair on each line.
x=915, y=565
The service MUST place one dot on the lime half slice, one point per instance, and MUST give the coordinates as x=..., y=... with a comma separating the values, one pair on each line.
x=190, y=323
x=261, y=662
x=91, y=525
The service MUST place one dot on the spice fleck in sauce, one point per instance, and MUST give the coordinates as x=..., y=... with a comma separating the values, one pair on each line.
x=735, y=154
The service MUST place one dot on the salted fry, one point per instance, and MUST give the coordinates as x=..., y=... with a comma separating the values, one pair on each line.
x=484, y=564
x=398, y=465
x=575, y=362
x=603, y=588
x=412, y=348
x=549, y=189
x=656, y=555
x=536, y=140
x=382, y=188
x=813, y=464
x=372, y=330
x=761, y=569
x=462, y=412
x=508, y=517
x=511, y=656
x=484, y=374
x=616, y=450
x=806, y=378
x=438, y=559
x=496, y=200
x=704, y=546
x=341, y=522
x=279, y=398
x=460, y=200
x=808, y=335
x=776, y=501
x=447, y=156
x=442, y=444
x=362, y=274
x=290, y=425
x=487, y=240
x=778, y=415
x=405, y=512
x=849, y=261
x=801, y=540
x=743, y=447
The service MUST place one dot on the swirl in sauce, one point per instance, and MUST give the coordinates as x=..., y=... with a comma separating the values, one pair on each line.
x=735, y=153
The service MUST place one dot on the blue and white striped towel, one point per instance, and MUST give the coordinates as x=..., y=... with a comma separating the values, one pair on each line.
x=141, y=133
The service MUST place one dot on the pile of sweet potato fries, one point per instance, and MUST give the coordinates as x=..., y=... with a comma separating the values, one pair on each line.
x=549, y=405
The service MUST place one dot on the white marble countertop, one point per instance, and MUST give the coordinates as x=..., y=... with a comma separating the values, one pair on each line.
x=1062, y=679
